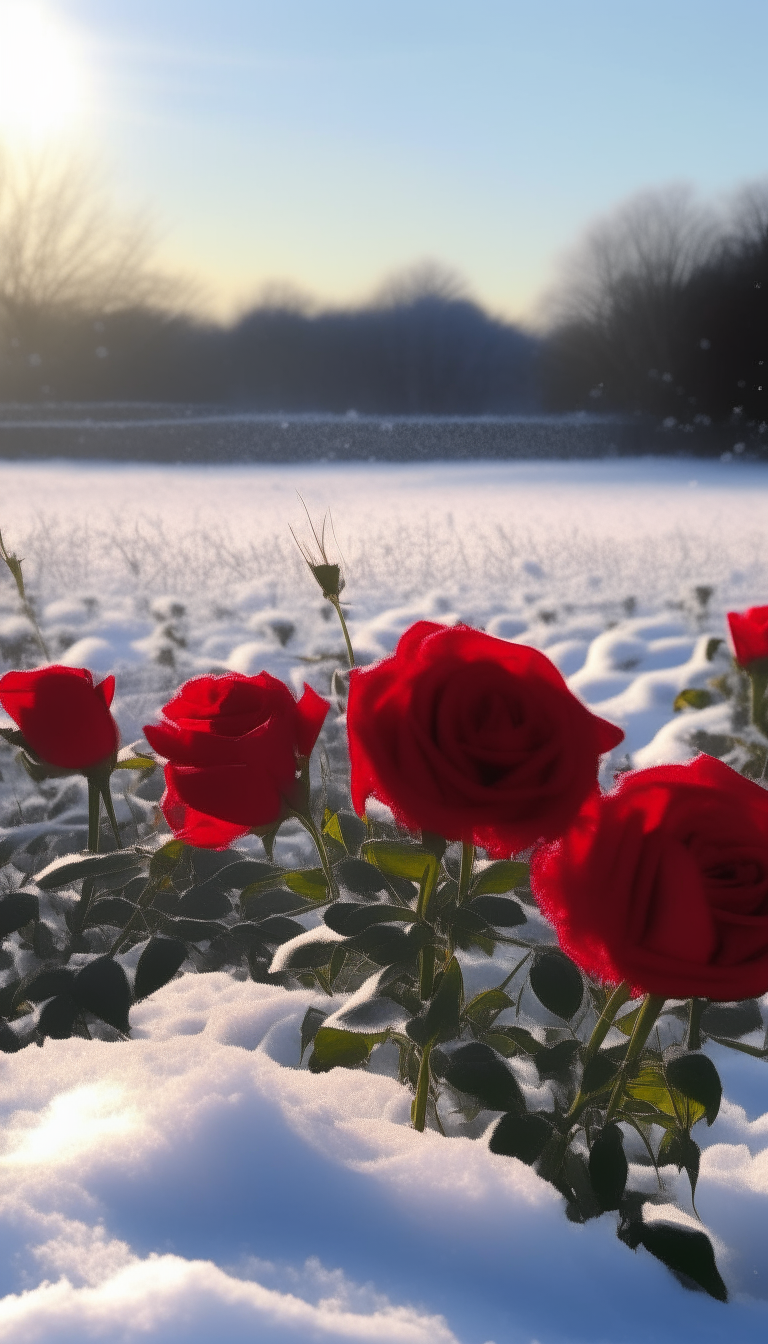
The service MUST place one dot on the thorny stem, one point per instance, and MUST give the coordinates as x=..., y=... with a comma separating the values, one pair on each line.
x=336, y=604
x=14, y=565
x=465, y=870
x=322, y=853
x=419, y=1104
x=652, y=1006
x=600, y=1030
x=426, y=972
x=94, y=810
x=605, y=1021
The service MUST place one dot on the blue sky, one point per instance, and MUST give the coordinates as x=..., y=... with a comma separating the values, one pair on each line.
x=329, y=143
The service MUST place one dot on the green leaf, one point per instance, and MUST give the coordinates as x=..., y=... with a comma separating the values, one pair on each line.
x=441, y=1020
x=58, y=1017
x=395, y=859
x=556, y=1061
x=521, y=1136
x=274, y=901
x=349, y=918
x=165, y=860
x=192, y=930
x=205, y=901
x=678, y=1149
x=244, y=874
x=608, y=1167
x=557, y=983
x=307, y=956
x=45, y=984
x=686, y=1252
x=650, y=1086
x=712, y=646
x=137, y=762
x=386, y=945
x=16, y=910
x=158, y=963
x=626, y=1024
x=692, y=698
x=73, y=867
x=695, y=1077
x=754, y=1050
x=485, y=1007
x=359, y=877
x=498, y=911
x=313, y=1020
x=102, y=988
x=309, y=883
x=278, y=929
x=9, y=1041
x=599, y=1073
x=468, y=929
x=113, y=910
x=347, y=830
x=342, y=1049
x=500, y=877
x=523, y=1039
x=475, y=1069
x=732, y=1019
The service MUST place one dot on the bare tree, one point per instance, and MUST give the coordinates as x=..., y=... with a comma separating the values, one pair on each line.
x=618, y=305
x=63, y=248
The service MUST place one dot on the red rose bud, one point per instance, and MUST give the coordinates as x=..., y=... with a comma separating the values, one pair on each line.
x=664, y=883
x=474, y=738
x=63, y=717
x=233, y=745
x=749, y=635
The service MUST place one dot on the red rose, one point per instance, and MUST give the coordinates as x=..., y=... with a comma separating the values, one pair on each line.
x=232, y=745
x=749, y=634
x=62, y=716
x=664, y=882
x=472, y=737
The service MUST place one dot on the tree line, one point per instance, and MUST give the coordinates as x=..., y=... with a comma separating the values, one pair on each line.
x=661, y=309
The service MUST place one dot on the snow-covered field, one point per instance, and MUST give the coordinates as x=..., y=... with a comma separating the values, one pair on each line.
x=195, y=1184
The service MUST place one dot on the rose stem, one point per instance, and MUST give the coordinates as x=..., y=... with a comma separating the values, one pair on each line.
x=336, y=604
x=652, y=1006
x=604, y=1023
x=14, y=565
x=94, y=809
x=695, y=1013
x=110, y=811
x=465, y=871
x=322, y=853
x=426, y=972
x=419, y=1104
x=600, y=1030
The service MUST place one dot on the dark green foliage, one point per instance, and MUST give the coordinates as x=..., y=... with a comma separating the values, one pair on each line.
x=478, y=1070
x=608, y=1167
x=102, y=988
x=17, y=910
x=695, y=1076
x=158, y=963
x=557, y=983
x=687, y=1252
x=521, y=1136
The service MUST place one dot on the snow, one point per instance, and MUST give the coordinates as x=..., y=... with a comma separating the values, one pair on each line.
x=197, y=1184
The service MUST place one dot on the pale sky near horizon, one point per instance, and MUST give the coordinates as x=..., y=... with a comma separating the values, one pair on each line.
x=327, y=144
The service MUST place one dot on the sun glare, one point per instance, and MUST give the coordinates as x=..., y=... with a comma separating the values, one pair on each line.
x=42, y=79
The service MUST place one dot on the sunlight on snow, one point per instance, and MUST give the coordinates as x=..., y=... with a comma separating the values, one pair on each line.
x=76, y=1122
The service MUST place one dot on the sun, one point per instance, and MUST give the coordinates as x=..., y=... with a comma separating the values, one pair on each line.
x=42, y=76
